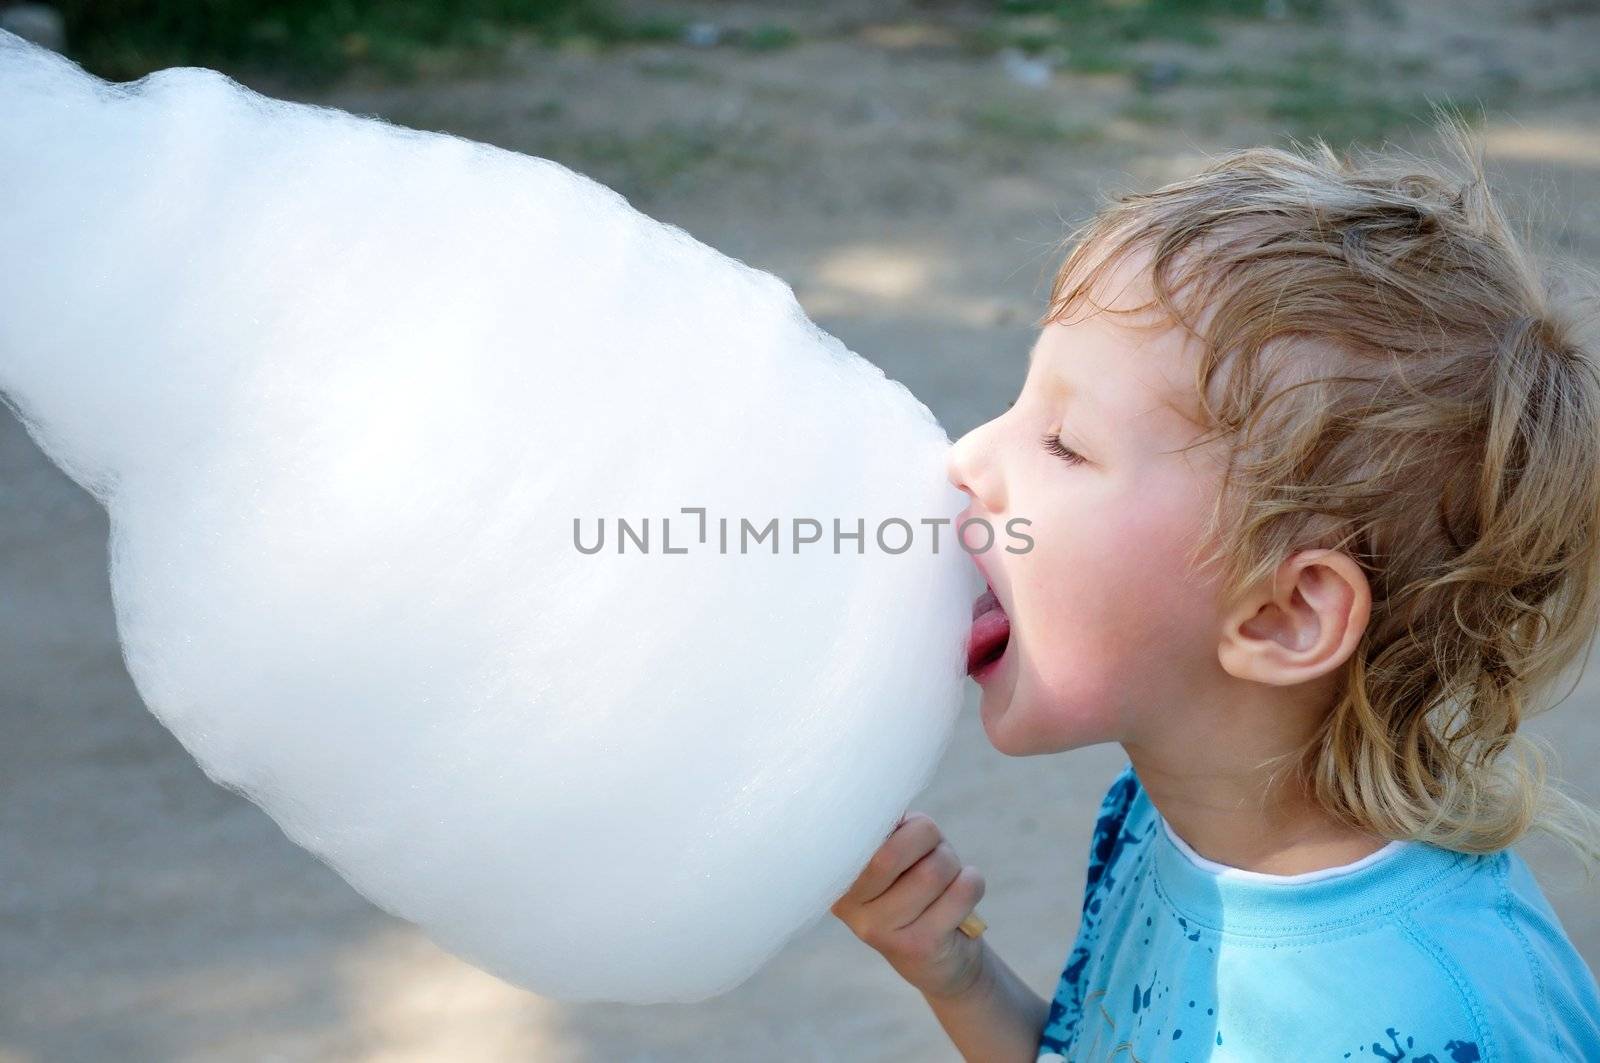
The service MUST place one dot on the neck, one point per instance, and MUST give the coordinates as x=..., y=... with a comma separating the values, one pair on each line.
x=1213, y=782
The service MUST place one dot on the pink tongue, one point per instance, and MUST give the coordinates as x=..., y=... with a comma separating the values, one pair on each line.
x=984, y=604
x=989, y=633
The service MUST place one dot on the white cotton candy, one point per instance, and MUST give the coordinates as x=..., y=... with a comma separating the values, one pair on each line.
x=344, y=387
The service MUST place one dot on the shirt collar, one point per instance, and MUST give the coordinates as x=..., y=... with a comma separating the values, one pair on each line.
x=1261, y=905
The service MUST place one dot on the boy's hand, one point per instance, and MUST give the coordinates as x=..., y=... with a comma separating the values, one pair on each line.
x=907, y=904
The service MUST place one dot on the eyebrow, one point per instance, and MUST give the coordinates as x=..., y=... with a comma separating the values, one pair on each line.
x=1092, y=427
x=1095, y=427
x=1071, y=390
x=1098, y=424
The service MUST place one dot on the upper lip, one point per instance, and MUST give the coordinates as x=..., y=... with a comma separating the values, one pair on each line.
x=977, y=559
x=983, y=570
x=988, y=579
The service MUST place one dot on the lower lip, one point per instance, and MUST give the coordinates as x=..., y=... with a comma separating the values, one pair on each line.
x=988, y=670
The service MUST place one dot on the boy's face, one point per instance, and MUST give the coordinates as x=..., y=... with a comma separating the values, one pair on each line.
x=1108, y=625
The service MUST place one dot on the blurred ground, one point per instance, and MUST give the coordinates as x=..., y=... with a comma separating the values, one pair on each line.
x=899, y=165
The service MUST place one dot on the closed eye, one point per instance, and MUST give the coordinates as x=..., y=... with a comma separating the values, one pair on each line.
x=1054, y=445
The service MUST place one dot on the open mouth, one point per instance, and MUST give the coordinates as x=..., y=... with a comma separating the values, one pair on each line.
x=991, y=633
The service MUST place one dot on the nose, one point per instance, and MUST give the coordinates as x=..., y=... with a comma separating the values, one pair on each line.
x=973, y=467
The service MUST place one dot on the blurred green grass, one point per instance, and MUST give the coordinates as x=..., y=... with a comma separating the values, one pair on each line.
x=1174, y=58
x=1098, y=34
x=316, y=40
x=1174, y=62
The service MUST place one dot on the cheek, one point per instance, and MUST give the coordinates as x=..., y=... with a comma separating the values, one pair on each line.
x=1118, y=612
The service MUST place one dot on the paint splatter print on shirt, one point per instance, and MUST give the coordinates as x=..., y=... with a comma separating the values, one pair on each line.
x=1417, y=955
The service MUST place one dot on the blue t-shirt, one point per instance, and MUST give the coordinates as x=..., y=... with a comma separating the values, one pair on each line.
x=1415, y=954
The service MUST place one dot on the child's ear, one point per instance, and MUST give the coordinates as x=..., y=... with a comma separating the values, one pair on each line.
x=1303, y=626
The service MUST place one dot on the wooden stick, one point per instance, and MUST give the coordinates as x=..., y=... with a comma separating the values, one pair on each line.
x=973, y=925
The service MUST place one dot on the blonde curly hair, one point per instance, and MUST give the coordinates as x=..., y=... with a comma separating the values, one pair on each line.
x=1395, y=378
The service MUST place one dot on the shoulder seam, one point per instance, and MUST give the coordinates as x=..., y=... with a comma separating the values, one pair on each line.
x=1503, y=909
x=1480, y=1026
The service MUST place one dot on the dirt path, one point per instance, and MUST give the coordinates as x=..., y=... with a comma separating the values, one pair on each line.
x=912, y=190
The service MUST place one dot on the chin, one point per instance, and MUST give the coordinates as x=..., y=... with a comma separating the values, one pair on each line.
x=1000, y=718
x=1003, y=740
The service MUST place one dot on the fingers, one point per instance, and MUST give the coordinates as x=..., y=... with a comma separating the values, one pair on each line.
x=909, y=902
x=919, y=887
x=928, y=940
x=956, y=902
x=915, y=837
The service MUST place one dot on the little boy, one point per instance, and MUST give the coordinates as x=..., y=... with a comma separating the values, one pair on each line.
x=1312, y=461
